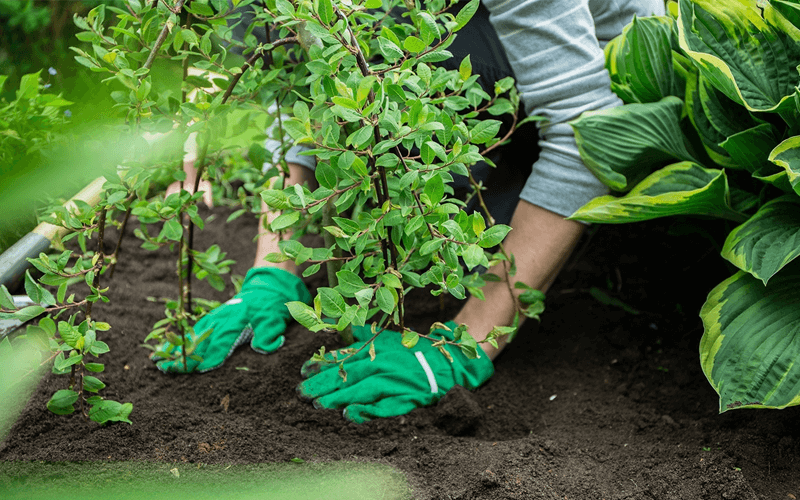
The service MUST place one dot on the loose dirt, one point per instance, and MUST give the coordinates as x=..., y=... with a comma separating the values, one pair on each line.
x=593, y=403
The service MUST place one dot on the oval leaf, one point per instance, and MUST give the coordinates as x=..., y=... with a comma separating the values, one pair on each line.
x=751, y=343
x=768, y=241
x=685, y=188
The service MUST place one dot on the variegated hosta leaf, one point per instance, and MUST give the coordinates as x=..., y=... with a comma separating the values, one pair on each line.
x=743, y=56
x=640, y=61
x=787, y=155
x=784, y=15
x=780, y=180
x=768, y=240
x=751, y=148
x=751, y=344
x=682, y=189
x=726, y=116
x=622, y=145
x=710, y=136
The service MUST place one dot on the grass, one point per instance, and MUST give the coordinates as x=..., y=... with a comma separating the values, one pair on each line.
x=156, y=481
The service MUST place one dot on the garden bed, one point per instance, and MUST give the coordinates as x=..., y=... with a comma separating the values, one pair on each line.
x=594, y=403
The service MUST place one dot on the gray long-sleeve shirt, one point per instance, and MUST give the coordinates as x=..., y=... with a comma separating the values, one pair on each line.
x=555, y=48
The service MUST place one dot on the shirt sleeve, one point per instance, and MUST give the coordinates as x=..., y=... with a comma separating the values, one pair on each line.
x=560, y=69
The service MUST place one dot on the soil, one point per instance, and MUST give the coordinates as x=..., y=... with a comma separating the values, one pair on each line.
x=593, y=403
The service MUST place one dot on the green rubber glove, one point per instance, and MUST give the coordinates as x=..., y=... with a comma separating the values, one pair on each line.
x=256, y=314
x=396, y=382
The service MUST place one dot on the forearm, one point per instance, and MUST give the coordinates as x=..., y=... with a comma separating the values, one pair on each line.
x=541, y=242
x=267, y=240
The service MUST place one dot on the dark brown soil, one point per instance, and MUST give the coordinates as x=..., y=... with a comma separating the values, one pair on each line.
x=594, y=403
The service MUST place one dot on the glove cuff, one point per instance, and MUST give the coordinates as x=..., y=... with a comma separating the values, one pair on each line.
x=287, y=284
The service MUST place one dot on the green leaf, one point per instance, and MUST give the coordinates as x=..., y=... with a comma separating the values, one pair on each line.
x=484, y=131
x=104, y=411
x=493, y=236
x=431, y=246
x=409, y=339
x=750, y=61
x=434, y=188
x=305, y=315
x=478, y=224
x=787, y=156
x=190, y=37
x=172, y=230
x=360, y=137
x=69, y=333
x=333, y=305
x=28, y=86
x=684, y=188
x=751, y=341
x=465, y=69
x=386, y=300
x=349, y=283
x=325, y=175
x=61, y=402
x=751, y=148
x=768, y=241
x=473, y=256
x=6, y=300
x=414, y=44
x=92, y=384
x=465, y=14
x=325, y=10
x=284, y=220
x=276, y=199
x=639, y=61
x=622, y=145
x=98, y=348
x=428, y=28
x=389, y=49
x=36, y=292
x=62, y=363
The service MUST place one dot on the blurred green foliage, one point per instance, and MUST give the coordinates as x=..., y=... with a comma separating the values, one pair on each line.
x=37, y=33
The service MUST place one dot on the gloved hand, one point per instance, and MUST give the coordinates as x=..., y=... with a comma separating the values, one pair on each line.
x=396, y=382
x=256, y=314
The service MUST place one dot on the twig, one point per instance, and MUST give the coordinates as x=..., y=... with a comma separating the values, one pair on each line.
x=115, y=255
x=249, y=63
x=161, y=37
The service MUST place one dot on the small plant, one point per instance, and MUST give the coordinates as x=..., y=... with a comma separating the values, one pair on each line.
x=73, y=343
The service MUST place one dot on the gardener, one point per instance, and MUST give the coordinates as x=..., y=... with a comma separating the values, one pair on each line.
x=554, y=50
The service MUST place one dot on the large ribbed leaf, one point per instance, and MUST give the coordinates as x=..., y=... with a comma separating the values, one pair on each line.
x=768, y=241
x=787, y=155
x=709, y=135
x=751, y=148
x=784, y=15
x=741, y=55
x=640, y=61
x=682, y=189
x=621, y=146
x=750, y=350
x=726, y=116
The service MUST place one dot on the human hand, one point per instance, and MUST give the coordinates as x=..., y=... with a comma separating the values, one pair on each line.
x=256, y=314
x=397, y=381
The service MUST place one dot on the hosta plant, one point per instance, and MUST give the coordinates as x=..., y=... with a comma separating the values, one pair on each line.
x=711, y=128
